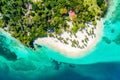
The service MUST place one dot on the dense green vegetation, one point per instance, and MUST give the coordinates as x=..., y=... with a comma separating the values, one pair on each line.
x=27, y=20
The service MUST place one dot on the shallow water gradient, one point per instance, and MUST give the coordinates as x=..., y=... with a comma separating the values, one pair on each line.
x=18, y=62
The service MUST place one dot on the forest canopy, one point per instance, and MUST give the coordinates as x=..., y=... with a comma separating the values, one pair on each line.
x=27, y=20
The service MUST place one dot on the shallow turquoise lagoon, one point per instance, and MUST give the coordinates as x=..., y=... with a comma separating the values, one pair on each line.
x=18, y=62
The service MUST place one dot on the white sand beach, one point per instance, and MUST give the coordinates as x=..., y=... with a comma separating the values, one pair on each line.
x=67, y=49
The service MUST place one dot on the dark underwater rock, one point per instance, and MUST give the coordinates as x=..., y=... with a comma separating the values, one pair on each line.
x=71, y=65
x=7, y=54
x=117, y=40
x=40, y=46
x=112, y=31
x=108, y=41
x=56, y=64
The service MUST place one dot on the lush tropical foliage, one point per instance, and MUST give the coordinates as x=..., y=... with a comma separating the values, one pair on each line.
x=27, y=20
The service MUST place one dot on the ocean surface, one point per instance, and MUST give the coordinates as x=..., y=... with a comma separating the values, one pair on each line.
x=18, y=62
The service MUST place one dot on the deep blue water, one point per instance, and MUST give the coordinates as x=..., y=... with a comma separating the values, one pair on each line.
x=18, y=62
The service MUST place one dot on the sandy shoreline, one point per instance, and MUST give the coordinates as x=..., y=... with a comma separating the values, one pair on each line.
x=69, y=51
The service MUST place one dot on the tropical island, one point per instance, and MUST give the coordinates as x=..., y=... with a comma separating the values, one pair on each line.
x=62, y=24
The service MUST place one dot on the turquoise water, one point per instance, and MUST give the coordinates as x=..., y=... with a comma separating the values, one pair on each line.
x=18, y=62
